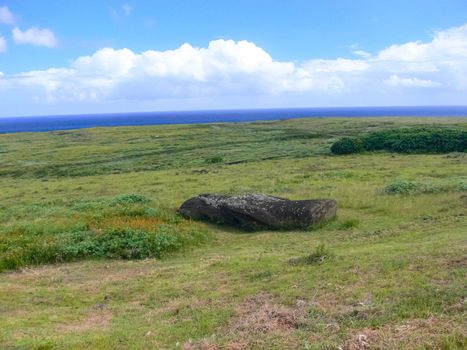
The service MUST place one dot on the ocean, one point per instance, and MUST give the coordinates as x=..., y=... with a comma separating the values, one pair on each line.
x=66, y=122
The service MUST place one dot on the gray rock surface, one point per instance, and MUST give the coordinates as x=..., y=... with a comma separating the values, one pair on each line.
x=256, y=211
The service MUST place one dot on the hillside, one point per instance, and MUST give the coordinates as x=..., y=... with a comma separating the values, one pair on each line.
x=394, y=271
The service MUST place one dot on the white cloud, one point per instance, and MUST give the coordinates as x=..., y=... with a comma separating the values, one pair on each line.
x=3, y=45
x=395, y=80
x=241, y=70
x=362, y=53
x=224, y=67
x=6, y=17
x=35, y=36
x=337, y=65
x=445, y=45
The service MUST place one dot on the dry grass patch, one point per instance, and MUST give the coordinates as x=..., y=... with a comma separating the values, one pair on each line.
x=97, y=320
x=417, y=333
x=261, y=314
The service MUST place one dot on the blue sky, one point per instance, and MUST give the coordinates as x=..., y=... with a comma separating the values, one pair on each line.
x=66, y=57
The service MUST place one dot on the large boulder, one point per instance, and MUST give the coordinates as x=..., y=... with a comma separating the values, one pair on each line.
x=256, y=211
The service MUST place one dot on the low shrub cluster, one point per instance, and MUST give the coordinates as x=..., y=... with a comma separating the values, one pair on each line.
x=407, y=187
x=408, y=140
x=123, y=227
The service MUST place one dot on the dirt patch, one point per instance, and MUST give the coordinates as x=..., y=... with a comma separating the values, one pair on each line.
x=457, y=262
x=96, y=320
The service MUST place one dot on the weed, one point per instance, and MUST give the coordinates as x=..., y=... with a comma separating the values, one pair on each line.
x=349, y=224
x=320, y=255
x=214, y=160
x=132, y=198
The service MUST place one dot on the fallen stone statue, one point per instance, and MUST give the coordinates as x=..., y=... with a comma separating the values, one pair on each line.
x=257, y=211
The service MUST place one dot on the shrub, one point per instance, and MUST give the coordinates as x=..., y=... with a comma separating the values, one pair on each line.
x=402, y=187
x=406, y=187
x=409, y=140
x=347, y=145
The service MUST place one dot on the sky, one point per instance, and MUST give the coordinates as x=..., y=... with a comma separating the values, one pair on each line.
x=87, y=56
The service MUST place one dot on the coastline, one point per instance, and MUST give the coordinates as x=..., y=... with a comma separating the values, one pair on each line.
x=73, y=122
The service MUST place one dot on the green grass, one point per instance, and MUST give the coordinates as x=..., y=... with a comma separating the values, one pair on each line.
x=394, y=279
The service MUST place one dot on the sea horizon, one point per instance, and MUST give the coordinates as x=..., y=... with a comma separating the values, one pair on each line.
x=46, y=123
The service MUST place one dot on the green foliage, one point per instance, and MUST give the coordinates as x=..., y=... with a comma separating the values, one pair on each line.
x=126, y=243
x=349, y=224
x=123, y=227
x=407, y=187
x=130, y=199
x=347, y=145
x=318, y=256
x=402, y=187
x=118, y=243
x=405, y=140
x=214, y=160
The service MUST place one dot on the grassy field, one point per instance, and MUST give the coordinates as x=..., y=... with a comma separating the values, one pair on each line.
x=394, y=261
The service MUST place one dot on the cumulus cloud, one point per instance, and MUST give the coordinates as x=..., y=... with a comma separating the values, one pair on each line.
x=3, y=45
x=241, y=68
x=35, y=36
x=6, y=17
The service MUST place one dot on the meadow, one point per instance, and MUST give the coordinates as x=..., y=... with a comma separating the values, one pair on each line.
x=94, y=256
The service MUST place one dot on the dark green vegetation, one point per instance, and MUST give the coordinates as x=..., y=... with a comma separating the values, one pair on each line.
x=388, y=273
x=405, y=140
x=125, y=226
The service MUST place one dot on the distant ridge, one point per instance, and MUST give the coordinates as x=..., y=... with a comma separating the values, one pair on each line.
x=67, y=122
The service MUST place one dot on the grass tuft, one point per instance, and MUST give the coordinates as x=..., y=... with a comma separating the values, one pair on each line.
x=320, y=255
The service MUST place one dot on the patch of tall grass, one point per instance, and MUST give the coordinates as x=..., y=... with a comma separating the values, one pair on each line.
x=122, y=227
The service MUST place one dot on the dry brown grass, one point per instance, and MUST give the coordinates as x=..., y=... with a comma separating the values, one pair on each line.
x=409, y=335
x=261, y=314
x=98, y=319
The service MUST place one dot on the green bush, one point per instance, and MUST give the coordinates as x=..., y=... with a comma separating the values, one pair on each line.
x=121, y=244
x=402, y=187
x=347, y=145
x=406, y=187
x=409, y=140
